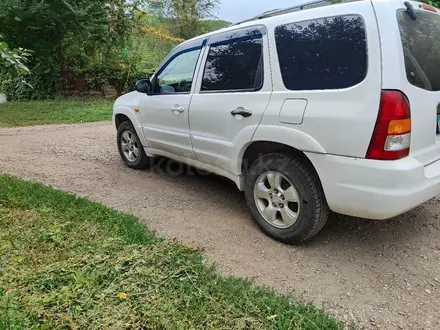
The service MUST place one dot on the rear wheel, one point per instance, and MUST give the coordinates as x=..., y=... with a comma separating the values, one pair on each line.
x=285, y=197
x=130, y=147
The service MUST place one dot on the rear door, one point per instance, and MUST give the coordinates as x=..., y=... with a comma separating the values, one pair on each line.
x=233, y=90
x=411, y=62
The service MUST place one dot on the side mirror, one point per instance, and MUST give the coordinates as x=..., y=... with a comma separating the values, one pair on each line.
x=144, y=86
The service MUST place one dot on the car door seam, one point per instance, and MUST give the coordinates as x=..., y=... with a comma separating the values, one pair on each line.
x=271, y=79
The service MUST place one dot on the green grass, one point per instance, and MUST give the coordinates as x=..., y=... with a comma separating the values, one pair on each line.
x=69, y=263
x=58, y=111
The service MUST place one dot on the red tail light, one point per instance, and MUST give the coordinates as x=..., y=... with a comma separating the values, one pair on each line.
x=392, y=135
x=428, y=7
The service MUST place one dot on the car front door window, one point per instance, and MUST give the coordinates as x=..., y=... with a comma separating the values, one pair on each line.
x=177, y=75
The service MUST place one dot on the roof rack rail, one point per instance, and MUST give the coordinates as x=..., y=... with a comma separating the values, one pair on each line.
x=276, y=12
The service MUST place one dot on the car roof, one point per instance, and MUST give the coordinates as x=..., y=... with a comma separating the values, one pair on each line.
x=269, y=14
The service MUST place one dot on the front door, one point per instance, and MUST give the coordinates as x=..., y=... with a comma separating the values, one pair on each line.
x=164, y=114
x=233, y=90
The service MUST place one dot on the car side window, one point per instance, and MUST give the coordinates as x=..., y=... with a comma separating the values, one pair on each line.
x=325, y=53
x=234, y=63
x=177, y=75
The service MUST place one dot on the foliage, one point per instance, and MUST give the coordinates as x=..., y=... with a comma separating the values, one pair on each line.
x=435, y=3
x=13, y=61
x=47, y=27
x=105, y=41
x=66, y=262
x=43, y=25
x=56, y=111
x=39, y=84
x=186, y=16
x=13, y=66
x=215, y=24
x=158, y=34
x=67, y=37
x=135, y=76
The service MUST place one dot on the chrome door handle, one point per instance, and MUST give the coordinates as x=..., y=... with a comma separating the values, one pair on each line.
x=177, y=109
x=240, y=111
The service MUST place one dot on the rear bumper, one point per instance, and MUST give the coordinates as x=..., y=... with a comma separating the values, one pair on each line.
x=375, y=189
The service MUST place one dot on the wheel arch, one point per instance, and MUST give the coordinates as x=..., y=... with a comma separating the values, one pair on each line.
x=269, y=138
x=120, y=118
x=256, y=149
x=122, y=114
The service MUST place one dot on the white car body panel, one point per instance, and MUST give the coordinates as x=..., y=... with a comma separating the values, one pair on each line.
x=374, y=189
x=346, y=111
x=216, y=135
x=425, y=144
x=125, y=105
x=163, y=128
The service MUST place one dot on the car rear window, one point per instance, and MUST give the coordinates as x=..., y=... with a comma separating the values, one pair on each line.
x=421, y=48
x=324, y=53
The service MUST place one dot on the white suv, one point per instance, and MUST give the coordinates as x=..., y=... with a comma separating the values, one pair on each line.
x=308, y=109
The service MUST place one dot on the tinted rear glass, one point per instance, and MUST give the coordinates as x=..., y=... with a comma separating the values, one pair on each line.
x=325, y=53
x=235, y=64
x=421, y=48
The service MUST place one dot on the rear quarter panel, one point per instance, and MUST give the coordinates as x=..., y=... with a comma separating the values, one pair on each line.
x=341, y=121
x=425, y=144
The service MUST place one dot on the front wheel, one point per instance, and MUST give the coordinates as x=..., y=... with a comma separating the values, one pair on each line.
x=130, y=147
x=285, y=197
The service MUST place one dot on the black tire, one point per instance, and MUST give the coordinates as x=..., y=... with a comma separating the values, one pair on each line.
x=142, y=160
x=314, y=211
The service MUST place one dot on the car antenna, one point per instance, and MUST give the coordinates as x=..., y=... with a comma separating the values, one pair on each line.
x=410, y=10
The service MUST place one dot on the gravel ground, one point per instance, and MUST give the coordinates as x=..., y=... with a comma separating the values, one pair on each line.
x=380, y=274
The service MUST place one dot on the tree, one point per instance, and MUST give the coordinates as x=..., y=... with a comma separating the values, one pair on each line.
x=48, y=27
x=186, y=17
x=42, y=25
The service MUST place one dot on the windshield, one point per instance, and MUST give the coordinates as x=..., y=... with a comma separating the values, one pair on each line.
x=421, y=48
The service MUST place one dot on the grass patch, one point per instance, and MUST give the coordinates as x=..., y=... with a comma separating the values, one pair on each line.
x=58, y=111
x=69, y=263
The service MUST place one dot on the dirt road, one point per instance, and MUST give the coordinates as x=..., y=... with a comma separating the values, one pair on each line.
x=380, y=274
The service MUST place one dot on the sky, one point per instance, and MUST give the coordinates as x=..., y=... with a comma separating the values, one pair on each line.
x=236, y=10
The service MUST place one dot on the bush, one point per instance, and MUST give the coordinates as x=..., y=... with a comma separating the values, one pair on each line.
x=41, y=83
x=135, y=76
x=13, y=67
x=122, y=77
x=44, y=79
x=99, y=75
